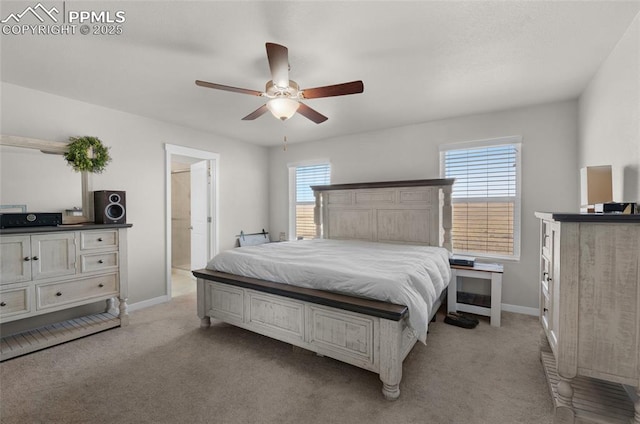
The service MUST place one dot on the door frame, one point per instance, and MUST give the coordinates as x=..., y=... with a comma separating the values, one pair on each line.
x=214, y=166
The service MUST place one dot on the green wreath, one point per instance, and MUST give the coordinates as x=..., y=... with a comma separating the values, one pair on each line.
x=87, y=154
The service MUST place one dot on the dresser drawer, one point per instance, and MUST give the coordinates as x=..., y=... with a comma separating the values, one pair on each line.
x=50, y=295
x=98, y=239
x=14, y=302
x=99, y=262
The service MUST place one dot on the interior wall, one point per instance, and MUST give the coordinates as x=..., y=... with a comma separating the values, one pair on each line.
x=610, y=117
x=138, y=167
x=550, y=180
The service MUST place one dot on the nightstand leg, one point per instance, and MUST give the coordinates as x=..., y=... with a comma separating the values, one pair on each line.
x=452, y=292
x=496, y=298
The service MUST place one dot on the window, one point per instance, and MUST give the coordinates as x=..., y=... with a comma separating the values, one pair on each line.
x=485, y=196
x=302, y=199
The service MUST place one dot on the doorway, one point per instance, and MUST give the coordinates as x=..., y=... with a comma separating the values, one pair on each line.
x=191, y=212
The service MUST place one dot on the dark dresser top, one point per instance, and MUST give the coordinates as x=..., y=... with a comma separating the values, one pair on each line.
x=588, y=217
x=64, y=227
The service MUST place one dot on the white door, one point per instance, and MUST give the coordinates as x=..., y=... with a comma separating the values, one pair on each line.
x=199, y=214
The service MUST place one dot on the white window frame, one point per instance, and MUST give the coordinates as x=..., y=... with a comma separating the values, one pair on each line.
x=517, y=221
x=292, y=190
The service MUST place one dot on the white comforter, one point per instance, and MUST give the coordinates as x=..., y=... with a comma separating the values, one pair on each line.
x=407, y=275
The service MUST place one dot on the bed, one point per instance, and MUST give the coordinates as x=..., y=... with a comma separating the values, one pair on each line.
x=310, y=308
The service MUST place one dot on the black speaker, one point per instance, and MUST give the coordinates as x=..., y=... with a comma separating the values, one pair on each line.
x=109, y=207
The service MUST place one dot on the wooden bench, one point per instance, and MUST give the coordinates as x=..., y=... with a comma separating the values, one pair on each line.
x=486, y=271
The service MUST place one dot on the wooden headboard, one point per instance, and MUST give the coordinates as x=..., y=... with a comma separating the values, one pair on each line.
x=406, y=212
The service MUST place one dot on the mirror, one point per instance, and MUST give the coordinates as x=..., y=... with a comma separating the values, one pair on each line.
x=34, y=173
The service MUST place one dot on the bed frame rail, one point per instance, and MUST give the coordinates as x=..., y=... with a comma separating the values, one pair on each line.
x=371, y=307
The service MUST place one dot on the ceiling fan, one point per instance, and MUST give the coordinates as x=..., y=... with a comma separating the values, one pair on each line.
x=284, y=94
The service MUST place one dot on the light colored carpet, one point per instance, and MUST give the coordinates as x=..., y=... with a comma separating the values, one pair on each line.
x=164, y=369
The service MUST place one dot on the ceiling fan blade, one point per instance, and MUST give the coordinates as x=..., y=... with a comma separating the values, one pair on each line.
x=353, y=87
x=278, y=57
x=228, y=88
x=256, y=113
x=312, y=114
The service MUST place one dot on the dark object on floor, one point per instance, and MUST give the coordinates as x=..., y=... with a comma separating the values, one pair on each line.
x=475, y=320
x=460, y=321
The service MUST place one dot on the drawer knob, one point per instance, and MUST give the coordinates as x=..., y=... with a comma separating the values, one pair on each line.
x=99, y=238
x=100, y=261
x=59, y=294
x=3, y=303
x=27, y=259
x=35, y=258
x=101, y=285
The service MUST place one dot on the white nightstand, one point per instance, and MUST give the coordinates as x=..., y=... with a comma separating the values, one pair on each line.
x=486, y=271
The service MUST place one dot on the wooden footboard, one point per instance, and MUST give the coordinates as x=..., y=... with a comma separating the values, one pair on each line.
x=366, y=333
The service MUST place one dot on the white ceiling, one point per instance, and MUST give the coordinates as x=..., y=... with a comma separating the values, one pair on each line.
x=420, y=61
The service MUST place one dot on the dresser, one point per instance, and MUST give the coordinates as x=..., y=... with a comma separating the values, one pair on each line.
x=50, y=269
x=590, y=315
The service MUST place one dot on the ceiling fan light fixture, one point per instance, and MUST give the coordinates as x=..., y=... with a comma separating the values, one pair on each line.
x=283, y=108
x=283, y=94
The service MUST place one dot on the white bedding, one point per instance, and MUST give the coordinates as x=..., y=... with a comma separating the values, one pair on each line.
x=403, y=274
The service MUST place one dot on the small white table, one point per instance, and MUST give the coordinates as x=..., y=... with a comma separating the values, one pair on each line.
x=485, y=271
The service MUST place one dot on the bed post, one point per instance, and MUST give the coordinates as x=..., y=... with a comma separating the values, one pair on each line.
x=205, y=320
x=390, y=358
x=447, y=218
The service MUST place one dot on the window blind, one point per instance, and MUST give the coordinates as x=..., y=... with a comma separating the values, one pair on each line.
x=307, y=176
x=485, y=199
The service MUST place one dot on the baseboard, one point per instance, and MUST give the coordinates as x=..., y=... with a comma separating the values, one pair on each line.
x=149, y=302
x=525, y=310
